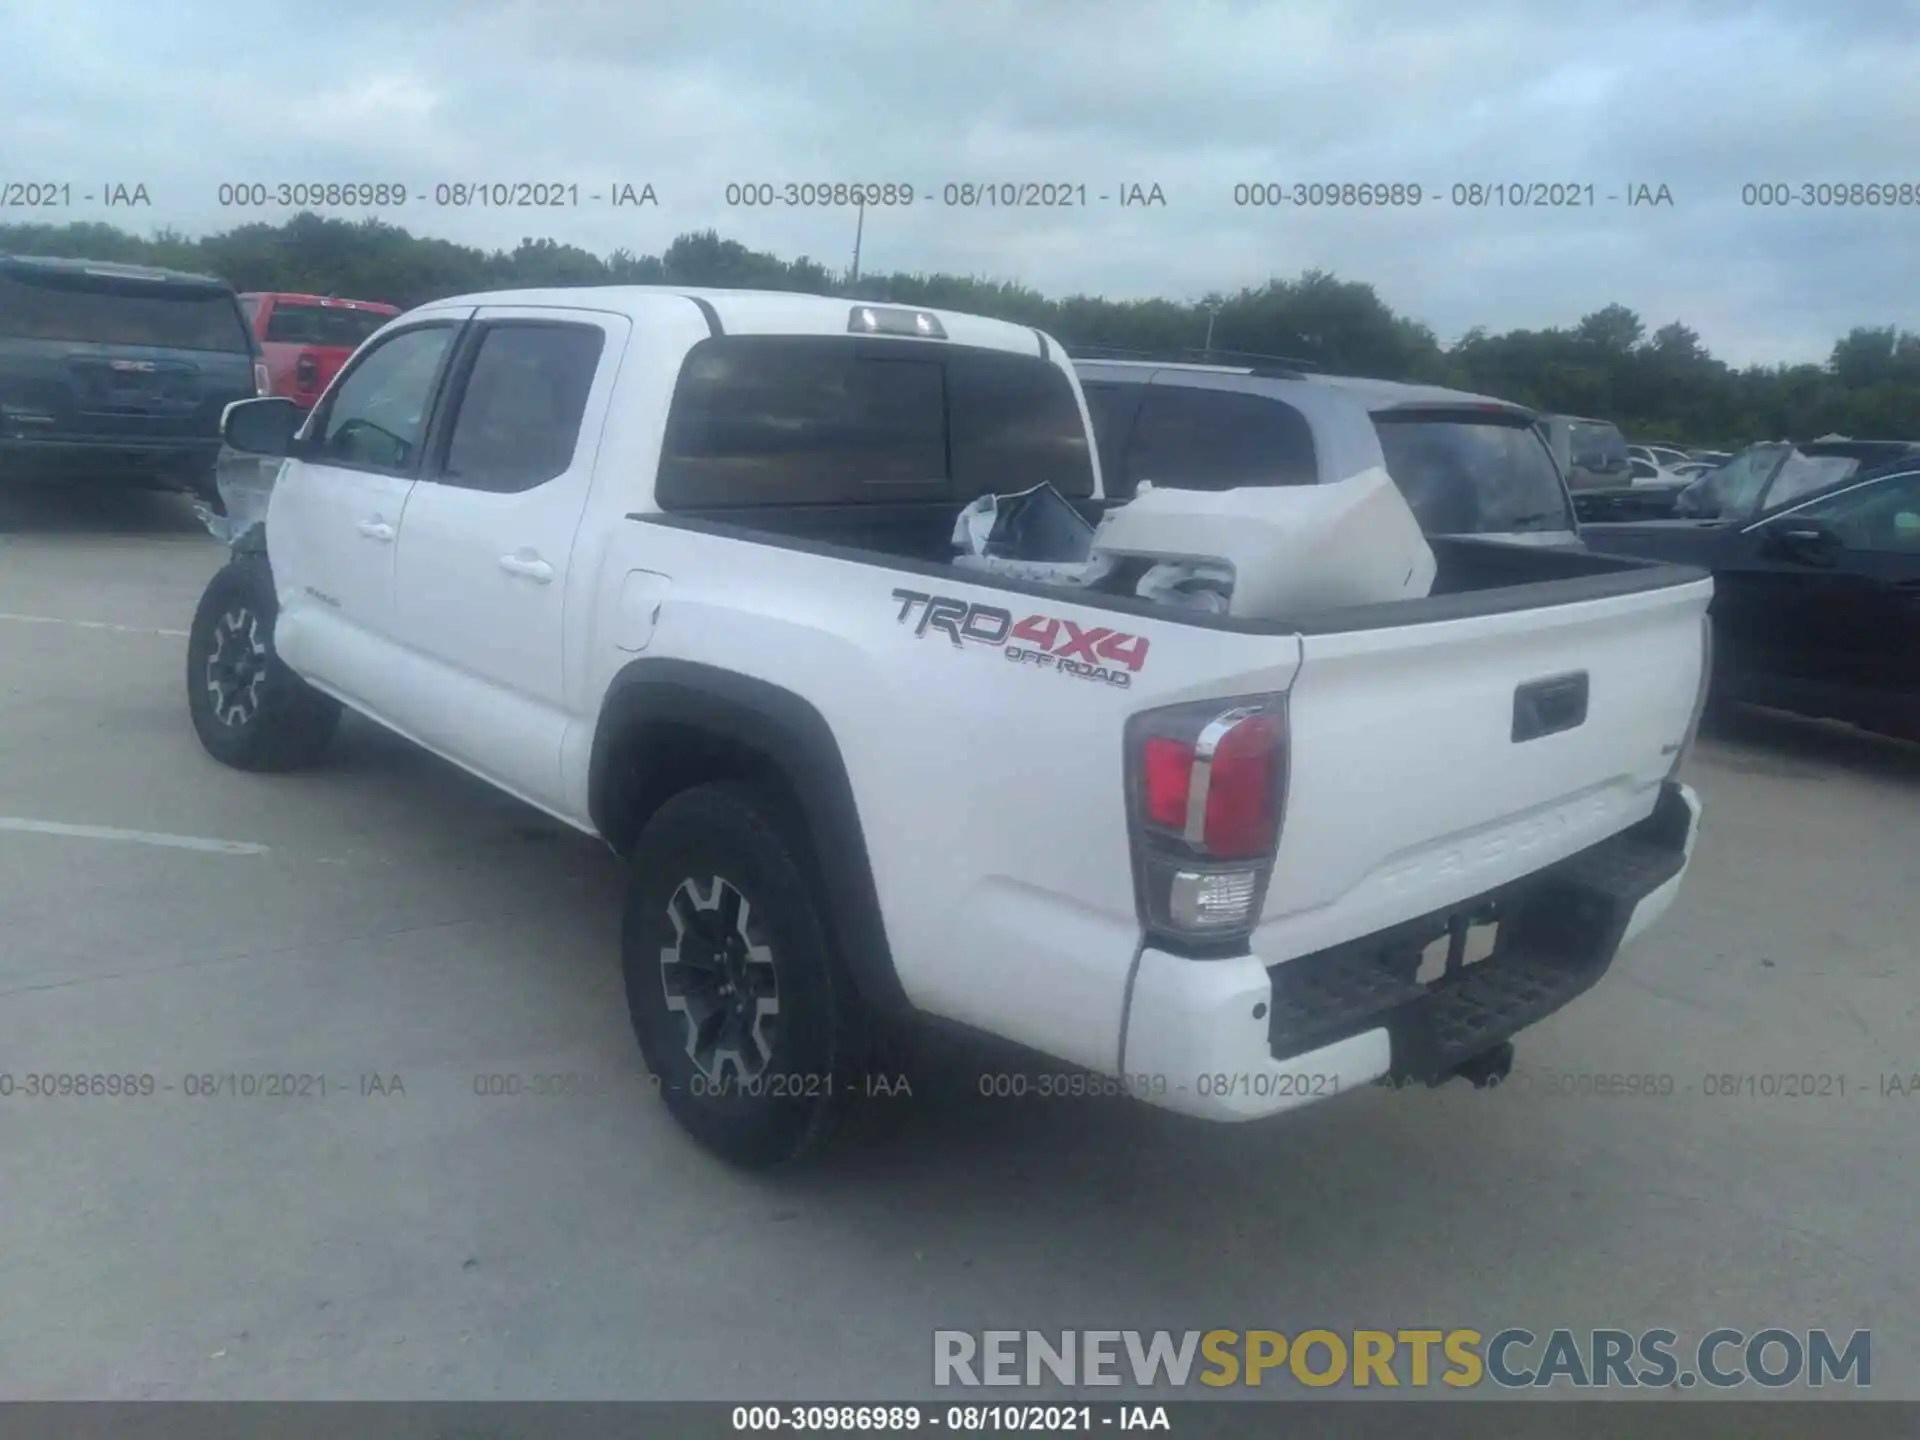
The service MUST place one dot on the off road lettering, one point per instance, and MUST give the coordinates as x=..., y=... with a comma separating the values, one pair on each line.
x=1091, y=652
x=1081, y=642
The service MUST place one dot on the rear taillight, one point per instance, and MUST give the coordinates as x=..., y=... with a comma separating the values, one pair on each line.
x=1168, y=771
x=1206, y=792
x=262, y=384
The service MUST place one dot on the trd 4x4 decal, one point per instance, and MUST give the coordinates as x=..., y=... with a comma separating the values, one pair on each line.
x=1089, y=652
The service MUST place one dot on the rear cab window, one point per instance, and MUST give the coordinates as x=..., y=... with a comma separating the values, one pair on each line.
x=1473, y=472
x=103, y=308
x=812, y=420
x=303, y=323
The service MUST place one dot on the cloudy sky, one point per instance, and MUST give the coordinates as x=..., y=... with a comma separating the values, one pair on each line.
x=1194, y=96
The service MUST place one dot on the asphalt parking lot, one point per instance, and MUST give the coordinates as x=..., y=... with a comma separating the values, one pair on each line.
x=388, y=917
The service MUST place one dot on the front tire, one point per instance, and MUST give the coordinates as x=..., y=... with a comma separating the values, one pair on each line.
x=249, y=710
x=752, y=1031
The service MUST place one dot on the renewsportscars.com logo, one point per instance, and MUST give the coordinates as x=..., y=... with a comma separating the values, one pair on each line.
x=1513, y=1358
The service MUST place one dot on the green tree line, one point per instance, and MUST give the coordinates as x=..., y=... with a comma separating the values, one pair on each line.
x=1662, y=385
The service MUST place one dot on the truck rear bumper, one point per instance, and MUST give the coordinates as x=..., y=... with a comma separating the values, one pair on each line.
x=1238, y=1039
x=1647, y=912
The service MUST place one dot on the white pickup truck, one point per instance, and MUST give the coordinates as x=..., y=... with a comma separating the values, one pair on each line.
x=674, y=566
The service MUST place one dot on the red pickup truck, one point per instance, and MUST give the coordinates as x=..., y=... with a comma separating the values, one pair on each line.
x=305, y=339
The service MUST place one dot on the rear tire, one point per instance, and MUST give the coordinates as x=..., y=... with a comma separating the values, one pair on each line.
x=751, y=1028
x=249, y=710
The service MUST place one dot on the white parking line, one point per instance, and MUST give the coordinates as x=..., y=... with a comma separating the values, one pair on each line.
x=137, y=837
x=89, y=624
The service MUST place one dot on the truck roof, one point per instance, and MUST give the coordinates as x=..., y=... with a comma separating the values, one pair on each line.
x=763, y=312
x=110, y=269
x=1374, y=394
x=1385, y=394
x=305, y=298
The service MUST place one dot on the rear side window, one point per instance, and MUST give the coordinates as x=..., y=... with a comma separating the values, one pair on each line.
x=336, y=325
x=103, y=310
x=1472, y=474
x=1194, y=439
x=519, y=416
x=795, y=420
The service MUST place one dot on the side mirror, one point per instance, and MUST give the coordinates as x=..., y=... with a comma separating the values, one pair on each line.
x=1807, y=541
x=261, y=427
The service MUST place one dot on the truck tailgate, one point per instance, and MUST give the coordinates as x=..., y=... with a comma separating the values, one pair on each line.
x=1431, y=763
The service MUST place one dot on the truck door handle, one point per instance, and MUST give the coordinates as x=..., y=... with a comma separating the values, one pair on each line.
x=527, y=565
x=376, y=529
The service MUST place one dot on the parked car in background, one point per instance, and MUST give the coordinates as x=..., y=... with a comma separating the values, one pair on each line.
x=1766, y=476
x=1711, y=458
x=1649, y=494
x=1816, y=604
x=117, y=374
x=1645, y=472
x=305, y=339
x=1592, y=454
x=1467, y=464
x=1664, y=456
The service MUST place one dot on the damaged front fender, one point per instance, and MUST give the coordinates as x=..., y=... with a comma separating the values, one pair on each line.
x=245, y=484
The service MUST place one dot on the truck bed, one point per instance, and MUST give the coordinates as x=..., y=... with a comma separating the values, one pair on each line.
x=1473, y=577
x=1439, y=749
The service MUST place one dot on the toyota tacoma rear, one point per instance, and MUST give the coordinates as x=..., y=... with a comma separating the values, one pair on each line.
x=676, y=567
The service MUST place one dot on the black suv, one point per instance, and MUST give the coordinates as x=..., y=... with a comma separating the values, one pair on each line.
x=117, y=374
